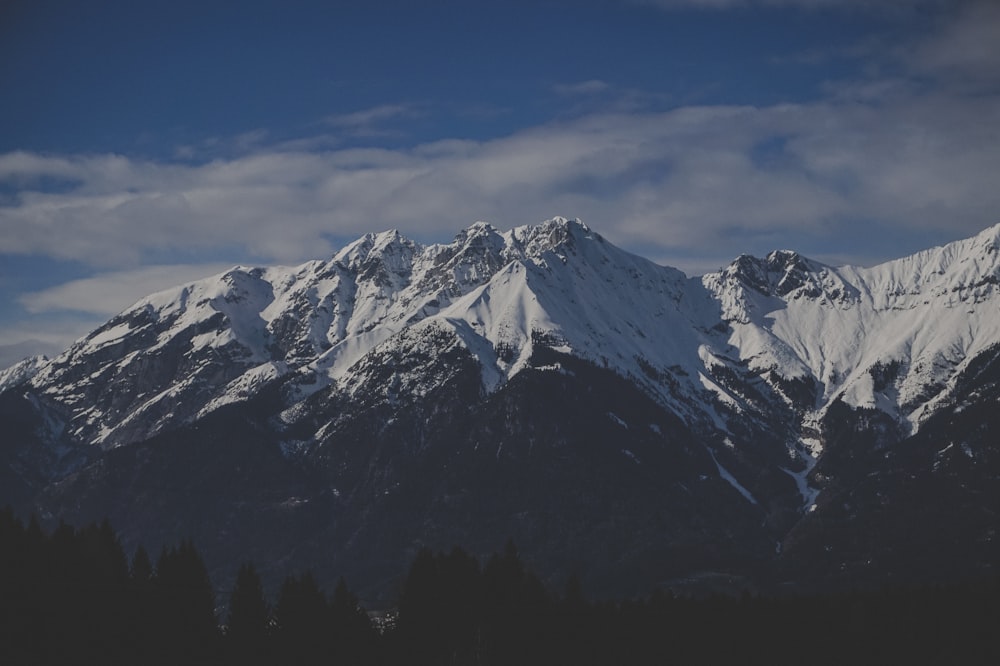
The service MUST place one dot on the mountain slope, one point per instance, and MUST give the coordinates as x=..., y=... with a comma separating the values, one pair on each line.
x=835, y=326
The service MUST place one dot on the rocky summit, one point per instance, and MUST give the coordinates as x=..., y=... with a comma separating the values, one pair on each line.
x=780, y=424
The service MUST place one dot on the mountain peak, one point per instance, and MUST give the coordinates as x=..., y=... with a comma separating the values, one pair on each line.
x=550, y=235
x=786, y=259
x=385, y=257
x=21, y=372
x=990, y=236
x=479, y=228
x=987, y=242
x=479, y=235
x=780, y=273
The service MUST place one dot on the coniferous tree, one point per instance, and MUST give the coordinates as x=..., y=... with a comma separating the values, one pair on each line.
x=249, y=618
x=15, y=621
x=460, y=599
x=351, y=628
x=185, y=603
x=103, y=592
x=11, y=538
x=301, y=621
x=421, y=615
x=514, y=608
x=141, y=637
x=36, y=550
x=106, y=554
x=440, y=608
x=141, y=571
x=572, y=628
x=497, y=615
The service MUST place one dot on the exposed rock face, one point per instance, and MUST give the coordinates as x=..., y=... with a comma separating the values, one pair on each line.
x=618, y=419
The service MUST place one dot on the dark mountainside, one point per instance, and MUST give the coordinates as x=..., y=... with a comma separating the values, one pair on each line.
x=619, y=422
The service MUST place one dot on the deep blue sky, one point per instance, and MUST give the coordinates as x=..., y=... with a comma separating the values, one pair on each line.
x=139, y=77
x=148, y=143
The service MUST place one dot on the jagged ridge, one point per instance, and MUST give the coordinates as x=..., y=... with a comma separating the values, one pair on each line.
x=445, y=391
x=813, y=333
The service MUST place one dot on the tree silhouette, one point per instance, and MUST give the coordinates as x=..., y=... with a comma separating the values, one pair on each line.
x=141, y=571
x=142, y=635
x=301, y=621
x=65, y=598
x=185, y=604
x=249, y=618
x=421, y=611
x=352, y=631
x=515, y=608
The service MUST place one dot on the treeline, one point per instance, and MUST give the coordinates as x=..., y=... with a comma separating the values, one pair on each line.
x=74, y=597
x=453, y=612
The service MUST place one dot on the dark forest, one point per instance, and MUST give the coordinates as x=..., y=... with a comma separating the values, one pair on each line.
x=75, y=597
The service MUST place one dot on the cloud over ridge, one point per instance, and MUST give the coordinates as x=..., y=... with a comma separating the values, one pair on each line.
x=679, y=178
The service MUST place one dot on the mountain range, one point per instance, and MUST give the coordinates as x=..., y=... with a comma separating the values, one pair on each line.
x=779, y=424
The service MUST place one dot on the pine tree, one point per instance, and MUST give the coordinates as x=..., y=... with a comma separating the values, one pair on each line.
x=141, y=571
x=301, y=620
x=141, y=637
x=249, y=618
x=186, y=603
x=514, y=609
x=352, y=631
x=15, y=590
x=421, y=613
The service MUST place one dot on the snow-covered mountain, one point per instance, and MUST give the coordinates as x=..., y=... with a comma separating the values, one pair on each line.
x=186, y=351
x=744, y=366
x=920, y=319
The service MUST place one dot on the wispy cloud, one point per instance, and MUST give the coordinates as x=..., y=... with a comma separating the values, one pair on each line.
x=219, y=147
x=12, y=353
x=681, y=178
x=109, y=293
x=64, y=313
x=877, y=5
x=371, y=122
x=591, y=87
x=964, y=52
x=49, y=335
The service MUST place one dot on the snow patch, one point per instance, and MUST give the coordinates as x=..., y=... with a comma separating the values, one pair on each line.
x=807, y=492
x=614, y=417
x=246, y=385
x=731, y=480
x=105, y=337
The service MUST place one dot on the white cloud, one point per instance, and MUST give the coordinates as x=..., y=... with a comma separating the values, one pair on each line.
x=18, y=351
x=66, y=312
x=22, y=167
x=879, y=5
x=48, y=335
x=682, y=179
x=107, y=294
x=371, y=122
x=591, y=87
x=964, y=52
x=368, y=116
